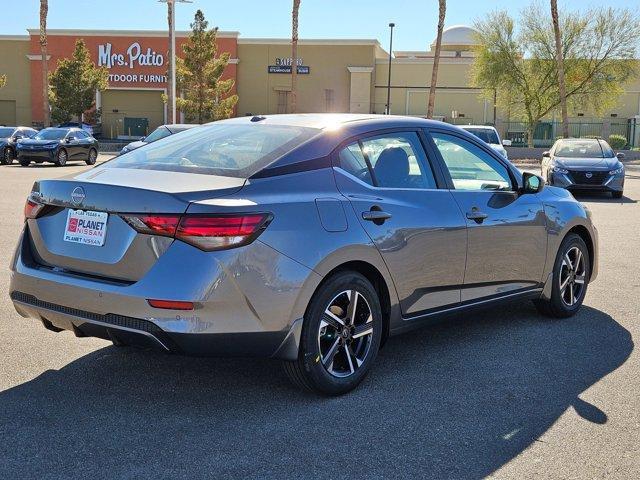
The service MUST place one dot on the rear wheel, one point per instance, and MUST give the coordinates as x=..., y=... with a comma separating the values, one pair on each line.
x=7, y=156
x=93, y=155
x=571, y=273
x=61, y=158
x=340, y=336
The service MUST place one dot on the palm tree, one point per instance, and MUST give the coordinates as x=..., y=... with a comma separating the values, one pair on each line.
x=170, y=76
x=294, y=55
x=44, y=10
x=560, y=66
x=442, y=10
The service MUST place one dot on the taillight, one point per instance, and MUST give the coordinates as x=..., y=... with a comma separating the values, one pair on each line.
x=32, y=209
x=207, y=232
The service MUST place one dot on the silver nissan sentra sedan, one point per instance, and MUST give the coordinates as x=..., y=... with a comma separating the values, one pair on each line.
x=307, y=238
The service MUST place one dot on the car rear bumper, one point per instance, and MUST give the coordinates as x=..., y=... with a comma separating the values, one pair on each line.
x=238, y=311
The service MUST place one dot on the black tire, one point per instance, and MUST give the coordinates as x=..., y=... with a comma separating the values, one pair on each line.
x=24, y=162
x=341, y=373
x=559, y=305
x=7, y=156
x=617, y=194
x=92, y=157
x=61, y=158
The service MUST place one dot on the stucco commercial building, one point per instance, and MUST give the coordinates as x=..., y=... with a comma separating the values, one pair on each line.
x=334, y=76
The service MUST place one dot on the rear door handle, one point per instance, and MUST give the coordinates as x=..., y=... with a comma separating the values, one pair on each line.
x=476, y=215
x=376, y=216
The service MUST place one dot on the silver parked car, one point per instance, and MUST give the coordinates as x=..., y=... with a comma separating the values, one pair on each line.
x=584, y=164
x=490, y=136
x=307, y=238
x=161, y=132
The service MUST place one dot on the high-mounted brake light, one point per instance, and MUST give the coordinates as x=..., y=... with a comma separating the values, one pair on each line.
x=207, y=232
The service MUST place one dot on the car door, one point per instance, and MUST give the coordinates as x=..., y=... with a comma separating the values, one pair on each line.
x=84, y=143
x=417, y=226
x=507, y=236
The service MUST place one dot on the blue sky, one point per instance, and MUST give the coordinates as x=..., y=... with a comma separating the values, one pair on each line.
x=415, y=19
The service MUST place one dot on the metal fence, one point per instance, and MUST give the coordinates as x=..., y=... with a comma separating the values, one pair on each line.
x=548, y=131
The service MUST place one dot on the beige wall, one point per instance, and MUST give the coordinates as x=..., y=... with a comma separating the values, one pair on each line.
x=328, y=63
x=132, y=104
x=15, y=97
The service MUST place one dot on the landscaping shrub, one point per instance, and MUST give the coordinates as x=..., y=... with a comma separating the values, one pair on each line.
x=617, y=142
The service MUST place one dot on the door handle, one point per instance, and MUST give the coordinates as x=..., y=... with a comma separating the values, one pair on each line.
x=476, y=215
x=376, y=216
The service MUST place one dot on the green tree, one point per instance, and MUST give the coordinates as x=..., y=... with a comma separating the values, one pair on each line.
x=74, y=84
x=598, y=51
x=206, y=96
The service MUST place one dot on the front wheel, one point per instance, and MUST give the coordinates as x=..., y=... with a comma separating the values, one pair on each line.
x=61, y=158
x=7, y=156
x=93, y=155
x=340, y=336
x=571, y=273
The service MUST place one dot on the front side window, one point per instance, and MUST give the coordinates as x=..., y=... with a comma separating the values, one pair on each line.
x=470, y=167
x=396, y=160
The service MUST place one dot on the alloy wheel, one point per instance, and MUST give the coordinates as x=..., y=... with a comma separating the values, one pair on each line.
x=572, y=276
x=8, y=156
x=345, y=333
x=62, y=157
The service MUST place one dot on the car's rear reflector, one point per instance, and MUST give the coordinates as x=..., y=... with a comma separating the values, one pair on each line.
x=171, y=304
x=207, y=232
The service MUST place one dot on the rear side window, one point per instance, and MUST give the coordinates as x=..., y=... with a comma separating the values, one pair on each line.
x=227, y=149
x=396, y=160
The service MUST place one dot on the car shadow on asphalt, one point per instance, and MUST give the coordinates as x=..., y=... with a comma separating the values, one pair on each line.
x=454, y=400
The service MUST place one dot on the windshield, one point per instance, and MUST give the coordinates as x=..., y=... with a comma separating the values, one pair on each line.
x=581, y=149
x=6, y=132
x=487, y=135
x=157, y=134
x=51, y=134
x=227, y=149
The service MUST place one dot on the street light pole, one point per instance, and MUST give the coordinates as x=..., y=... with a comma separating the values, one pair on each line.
x=388, y=106
x=172, y=53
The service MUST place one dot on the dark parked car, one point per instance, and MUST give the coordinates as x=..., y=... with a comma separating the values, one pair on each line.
x=584, y=164
x=9, y=137
x=161, y=132
x=307, y=238
x=58, y=146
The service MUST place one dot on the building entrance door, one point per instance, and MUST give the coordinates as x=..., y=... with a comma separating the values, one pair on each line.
x=136, y=127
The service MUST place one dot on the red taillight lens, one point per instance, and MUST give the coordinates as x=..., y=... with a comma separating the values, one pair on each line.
x=207, y=232
x=32, y=209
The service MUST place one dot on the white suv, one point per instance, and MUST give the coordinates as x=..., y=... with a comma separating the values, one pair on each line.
x=489, y=135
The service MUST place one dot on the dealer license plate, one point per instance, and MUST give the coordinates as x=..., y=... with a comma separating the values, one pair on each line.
x=86, y=227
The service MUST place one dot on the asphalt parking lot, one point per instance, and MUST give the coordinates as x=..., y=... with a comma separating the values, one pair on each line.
x=502, y=393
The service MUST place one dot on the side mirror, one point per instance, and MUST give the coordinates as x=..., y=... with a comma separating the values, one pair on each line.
x=70, y=139
x=142, y=139
x=506, y=143
x=620, y=155
x=546, y=154
x=531, y=183
x=18, y=136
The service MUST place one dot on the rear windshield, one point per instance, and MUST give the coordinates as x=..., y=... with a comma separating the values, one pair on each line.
x=227, y=149
x=487, y=135
x=157, y=134
x=51, y=134
x=583, y=149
